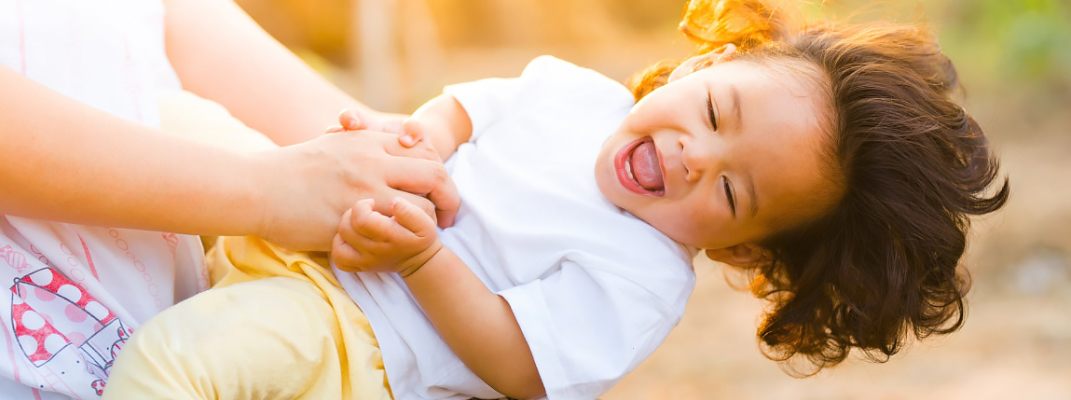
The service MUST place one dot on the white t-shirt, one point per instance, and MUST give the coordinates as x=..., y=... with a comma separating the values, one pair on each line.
x=594, y=289
x=75, y=293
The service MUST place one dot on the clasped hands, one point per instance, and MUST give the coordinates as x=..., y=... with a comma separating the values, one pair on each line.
x=397, y=234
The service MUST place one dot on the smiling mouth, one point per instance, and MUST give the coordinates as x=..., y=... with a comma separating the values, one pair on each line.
x=639, y=168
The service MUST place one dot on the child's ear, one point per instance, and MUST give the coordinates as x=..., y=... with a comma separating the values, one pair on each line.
x=741, y=255
x=725, y=53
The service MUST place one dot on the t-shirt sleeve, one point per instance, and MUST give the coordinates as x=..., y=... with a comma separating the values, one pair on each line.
x=588, y=327
x=545, y=80
x=485, y=100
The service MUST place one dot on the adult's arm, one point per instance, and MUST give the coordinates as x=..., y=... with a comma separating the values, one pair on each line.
x=221, y=54
x=65, y=161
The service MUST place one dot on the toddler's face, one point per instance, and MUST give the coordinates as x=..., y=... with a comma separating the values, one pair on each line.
x=723, y=156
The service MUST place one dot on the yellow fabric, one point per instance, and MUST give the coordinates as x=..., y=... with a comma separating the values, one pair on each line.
x=275, y=325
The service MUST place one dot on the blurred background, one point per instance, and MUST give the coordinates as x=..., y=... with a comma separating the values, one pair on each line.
x=1014, y=58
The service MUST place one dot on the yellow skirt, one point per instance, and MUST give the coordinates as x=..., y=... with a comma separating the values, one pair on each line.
x=276, y=325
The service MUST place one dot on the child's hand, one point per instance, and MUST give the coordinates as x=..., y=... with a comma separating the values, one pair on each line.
x=412, y=136
x=369, y=241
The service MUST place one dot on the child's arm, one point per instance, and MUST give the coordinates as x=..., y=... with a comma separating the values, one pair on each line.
x=442, y=120
x=478, y=325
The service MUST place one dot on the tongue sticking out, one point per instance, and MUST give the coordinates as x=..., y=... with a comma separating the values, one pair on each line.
x=645, y=167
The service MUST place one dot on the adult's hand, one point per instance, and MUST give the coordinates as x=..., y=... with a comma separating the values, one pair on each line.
x=409, y=135
x=355, y=119
x=310, y=185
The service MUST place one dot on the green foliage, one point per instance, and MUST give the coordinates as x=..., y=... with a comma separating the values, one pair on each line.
x=1026, y=41
x=993, y=42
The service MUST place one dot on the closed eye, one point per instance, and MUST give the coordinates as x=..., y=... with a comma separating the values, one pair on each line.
x=729, y=195
x=710, y=113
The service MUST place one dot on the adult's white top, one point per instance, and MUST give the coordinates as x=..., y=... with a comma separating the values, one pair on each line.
x=594, y=289
x=75, y=293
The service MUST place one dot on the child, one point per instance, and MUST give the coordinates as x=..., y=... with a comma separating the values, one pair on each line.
x=830, y=161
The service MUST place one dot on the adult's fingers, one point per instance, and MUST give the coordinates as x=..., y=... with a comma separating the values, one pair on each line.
x=358, y=119
x=351, y=120
x=420, y=148
x=391, y=122
x=420, y=176
x=419, y=201
x=348, y=120
x=389, y=143
x=412, y=133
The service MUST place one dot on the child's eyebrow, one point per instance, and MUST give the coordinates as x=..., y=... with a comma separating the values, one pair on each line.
x=753, y=201
x=736, y=106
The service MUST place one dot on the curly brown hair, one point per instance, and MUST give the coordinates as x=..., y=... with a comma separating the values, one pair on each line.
x=882, y=264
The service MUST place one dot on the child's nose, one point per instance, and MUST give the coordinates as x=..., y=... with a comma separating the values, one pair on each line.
x=699, y=157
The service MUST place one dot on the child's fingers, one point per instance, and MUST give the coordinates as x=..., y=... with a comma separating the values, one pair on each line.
x=366, y=221
x=361, y=207
x=347, y=232
x=363, y=243
x=368, y=247
x=344, y=256
x=424, y=176
x=412, y=218
x=375, y=226
x=362, y=221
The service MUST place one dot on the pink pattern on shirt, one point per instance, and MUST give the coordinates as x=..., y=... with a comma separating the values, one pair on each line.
x=89, y=258
x=139, y=266
x=38, y=337
x=15, y=259
x=51, y=313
